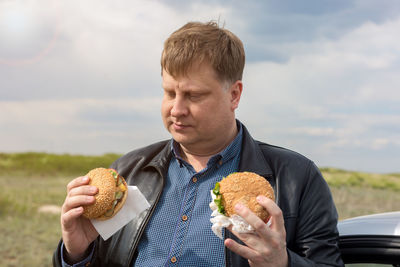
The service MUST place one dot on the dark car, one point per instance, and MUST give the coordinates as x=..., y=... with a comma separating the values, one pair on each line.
x=372, y=240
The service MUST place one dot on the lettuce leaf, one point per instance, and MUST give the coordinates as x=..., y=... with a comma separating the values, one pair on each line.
x=218, y=199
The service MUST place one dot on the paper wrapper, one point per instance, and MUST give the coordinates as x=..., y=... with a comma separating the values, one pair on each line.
x=220, y=221
x=135, y=203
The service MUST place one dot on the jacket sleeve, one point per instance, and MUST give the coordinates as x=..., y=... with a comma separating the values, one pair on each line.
x=313, y=232
x=316, y=232
x=58, y=260
x=57, y=256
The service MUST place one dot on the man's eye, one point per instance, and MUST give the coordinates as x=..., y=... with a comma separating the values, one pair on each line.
x=194, y=97
x=169, y=94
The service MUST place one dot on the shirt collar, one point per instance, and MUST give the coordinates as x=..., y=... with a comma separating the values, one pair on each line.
x=225, y=155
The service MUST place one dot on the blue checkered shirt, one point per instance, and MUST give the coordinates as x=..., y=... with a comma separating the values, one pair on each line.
x=179, y=232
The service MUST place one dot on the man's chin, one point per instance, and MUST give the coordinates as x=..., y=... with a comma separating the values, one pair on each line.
x=182, y=138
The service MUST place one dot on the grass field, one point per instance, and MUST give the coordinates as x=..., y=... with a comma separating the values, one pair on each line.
x=31, y=181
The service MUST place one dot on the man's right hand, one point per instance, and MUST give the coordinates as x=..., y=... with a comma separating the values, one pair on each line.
x=77, y=231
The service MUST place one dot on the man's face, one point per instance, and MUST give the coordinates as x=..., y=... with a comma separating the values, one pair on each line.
x=197, y=109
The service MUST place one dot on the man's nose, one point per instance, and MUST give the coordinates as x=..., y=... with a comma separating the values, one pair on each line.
x=179, y=107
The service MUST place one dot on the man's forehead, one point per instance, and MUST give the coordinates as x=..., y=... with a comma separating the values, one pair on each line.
x=182, y=83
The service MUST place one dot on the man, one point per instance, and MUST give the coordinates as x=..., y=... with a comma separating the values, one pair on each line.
x=202, y=68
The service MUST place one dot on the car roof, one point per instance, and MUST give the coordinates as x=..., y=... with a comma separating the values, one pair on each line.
x=377, y=224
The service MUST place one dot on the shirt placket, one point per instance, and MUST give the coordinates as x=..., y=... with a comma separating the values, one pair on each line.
x=184, y=221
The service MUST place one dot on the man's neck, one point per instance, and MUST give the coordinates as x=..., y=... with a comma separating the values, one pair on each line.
x=199, y=158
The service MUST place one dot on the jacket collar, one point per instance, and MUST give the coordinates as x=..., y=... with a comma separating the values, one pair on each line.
x=161, y=160
x=252, y=158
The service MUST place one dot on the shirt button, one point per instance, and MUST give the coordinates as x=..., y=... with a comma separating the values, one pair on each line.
x=194, y=179
x=184, y=218
x=173, y=259
x=220, y=162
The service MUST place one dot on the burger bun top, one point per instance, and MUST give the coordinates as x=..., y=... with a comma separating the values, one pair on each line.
x=244, y=187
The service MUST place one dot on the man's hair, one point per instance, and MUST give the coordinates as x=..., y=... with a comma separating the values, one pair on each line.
x=197, y=43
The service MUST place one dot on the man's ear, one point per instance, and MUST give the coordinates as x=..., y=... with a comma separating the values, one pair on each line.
x=236, y=92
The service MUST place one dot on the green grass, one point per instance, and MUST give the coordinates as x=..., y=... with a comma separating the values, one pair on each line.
x=31, y=180
x=28, y=237
x=339, y=178
x=360, y=193
x=356, y=201
x=34, y=163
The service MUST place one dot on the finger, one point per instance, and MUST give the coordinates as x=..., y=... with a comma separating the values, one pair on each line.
x=259, y=225
x=277, y=221
x=256, y=241
x=77, y=201
x=83, y=190
x=241, y=250
x=257, y=249
x=83, y=180
x=71, y=215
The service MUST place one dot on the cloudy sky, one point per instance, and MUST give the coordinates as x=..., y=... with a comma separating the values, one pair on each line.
x=321, y=78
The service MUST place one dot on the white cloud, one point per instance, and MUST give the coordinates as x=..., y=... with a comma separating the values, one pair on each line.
x=102, y=31
x=36, y=112
x=27, y=31
x=80, y=125
x=326, y=74
x=315, y=131
x=331, y=97
x=367, y=56
x=98, y=67
x=99, y=48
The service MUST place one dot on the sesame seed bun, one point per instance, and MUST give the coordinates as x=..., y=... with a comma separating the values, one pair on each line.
x=119, y=205
x=104, y=180
x=244, y=187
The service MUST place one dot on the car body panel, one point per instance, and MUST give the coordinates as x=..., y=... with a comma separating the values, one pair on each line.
x=376, y=224
x=371, y=239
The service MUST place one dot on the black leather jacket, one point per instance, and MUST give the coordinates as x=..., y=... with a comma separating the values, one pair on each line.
x=301, y=192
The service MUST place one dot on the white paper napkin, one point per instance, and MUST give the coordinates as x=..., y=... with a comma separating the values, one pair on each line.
x=220, y=221
x=134, y=205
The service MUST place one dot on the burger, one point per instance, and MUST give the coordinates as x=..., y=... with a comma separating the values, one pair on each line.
x=242, y=187
x=111, y=195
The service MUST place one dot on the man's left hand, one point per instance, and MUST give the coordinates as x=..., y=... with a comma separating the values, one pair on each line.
x=267, y=246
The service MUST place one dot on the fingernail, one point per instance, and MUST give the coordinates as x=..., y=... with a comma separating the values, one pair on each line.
x=238, y=206
x=85, y=179
x=260, y=198
x=93, y=189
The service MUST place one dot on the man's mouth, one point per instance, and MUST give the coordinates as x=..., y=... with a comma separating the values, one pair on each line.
x=179, y=126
